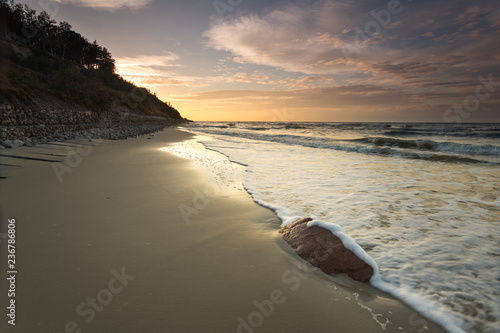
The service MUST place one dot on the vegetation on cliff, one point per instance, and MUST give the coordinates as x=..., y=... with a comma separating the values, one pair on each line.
x=40, y=57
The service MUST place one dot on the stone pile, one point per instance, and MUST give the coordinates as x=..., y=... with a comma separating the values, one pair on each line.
x=27, y=126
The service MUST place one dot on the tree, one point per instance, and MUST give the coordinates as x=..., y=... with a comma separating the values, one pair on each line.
x=22, y=25
x=62, y=38
x=65, y=63
x=76, y=47
x=17, y=18
x=97, y=57
x=105, y=60
x=45, y=26
x=90, y=55
x=29, y=28
x=5, y=14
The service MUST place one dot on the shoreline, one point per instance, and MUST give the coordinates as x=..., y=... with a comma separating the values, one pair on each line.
x=116, y=215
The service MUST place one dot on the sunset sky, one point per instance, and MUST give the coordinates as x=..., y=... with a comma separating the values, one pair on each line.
x=303, y=60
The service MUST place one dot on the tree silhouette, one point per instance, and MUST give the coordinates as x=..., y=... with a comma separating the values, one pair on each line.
x=66, y=64
x=22, y=25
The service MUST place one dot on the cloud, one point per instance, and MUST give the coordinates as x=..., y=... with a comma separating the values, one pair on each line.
x=161, y=82
x=473, y=12
x=243, y=77
x=155, y=71
x=331, y=97
x=146, y=65
x=267, y=40
x=108, y=4
x=348, y=103
x=333, y=38
x=336, y=55
x=363, y=102
x=309, y=79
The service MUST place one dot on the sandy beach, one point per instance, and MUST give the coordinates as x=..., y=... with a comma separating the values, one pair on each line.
x=103, y=245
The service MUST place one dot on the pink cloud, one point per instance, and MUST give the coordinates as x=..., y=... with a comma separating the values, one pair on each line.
x=108, y=4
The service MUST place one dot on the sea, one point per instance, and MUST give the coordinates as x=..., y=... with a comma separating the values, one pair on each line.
x=420, y=202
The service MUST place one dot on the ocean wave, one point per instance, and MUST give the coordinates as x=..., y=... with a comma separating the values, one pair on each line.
x=395, y=130
x=428, y=150
x=459, y=132
x=430, y=145
x=258, y=128
x=402, y=132
x=446, y=158
x=411, y=218
x=202, y=126
x=294, y=126
x=389, y=142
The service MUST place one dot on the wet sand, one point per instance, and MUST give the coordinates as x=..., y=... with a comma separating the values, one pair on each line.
x=109, y=249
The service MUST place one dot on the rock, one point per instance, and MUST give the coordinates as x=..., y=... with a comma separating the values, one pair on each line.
x=8, y=144
x=324, y=250
x=18, y=143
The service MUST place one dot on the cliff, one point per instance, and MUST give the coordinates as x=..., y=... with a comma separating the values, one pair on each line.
x=54, y=85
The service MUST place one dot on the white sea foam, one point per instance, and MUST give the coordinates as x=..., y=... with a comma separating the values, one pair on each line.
x=430, y=228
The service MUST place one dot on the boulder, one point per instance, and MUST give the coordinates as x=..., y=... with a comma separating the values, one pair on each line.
x=8, y=144
x=18, y=143
x=324, y=250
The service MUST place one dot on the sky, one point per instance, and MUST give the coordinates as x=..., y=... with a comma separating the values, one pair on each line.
x=303, y=60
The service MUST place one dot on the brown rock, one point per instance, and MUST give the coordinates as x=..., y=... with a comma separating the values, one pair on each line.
x=324, y=250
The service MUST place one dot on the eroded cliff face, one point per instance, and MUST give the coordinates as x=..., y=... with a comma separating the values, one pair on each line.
x=29, y=112
x=49, y=119
x=30, y=116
